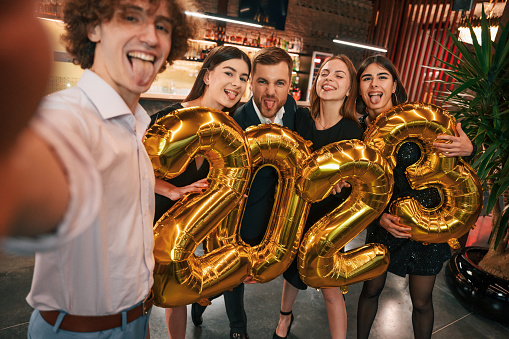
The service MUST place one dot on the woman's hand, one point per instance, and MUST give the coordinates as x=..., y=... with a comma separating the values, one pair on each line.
x=174, y=193
x=391, y=224
x=337, y=188
x=460, y=146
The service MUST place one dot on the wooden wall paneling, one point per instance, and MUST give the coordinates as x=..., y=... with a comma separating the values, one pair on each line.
x=444, y=41
x=448, y=57
x=382, y=23
x=417, y=51
x=390, y=25
x=440, y=39
x=398, y=51
x=401, y=6
x=409, y=52
x=424, y=72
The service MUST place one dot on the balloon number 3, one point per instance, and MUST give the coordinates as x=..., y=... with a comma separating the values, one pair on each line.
x=459, y=186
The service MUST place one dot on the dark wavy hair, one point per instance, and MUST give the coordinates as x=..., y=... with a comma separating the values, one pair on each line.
x=214, y=58
x=348, y=108
x=273, y=56
x=399, y=97
x=81, y=15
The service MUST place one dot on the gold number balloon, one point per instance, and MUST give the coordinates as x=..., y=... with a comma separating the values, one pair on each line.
x=320, y=262
x=180, y=277
x=459, y=186
x=286, y=151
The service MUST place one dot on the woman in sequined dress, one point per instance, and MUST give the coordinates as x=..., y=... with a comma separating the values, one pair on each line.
x=380, y=89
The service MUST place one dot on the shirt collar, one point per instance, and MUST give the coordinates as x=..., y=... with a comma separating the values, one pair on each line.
x=277, y=120
x=108, y=102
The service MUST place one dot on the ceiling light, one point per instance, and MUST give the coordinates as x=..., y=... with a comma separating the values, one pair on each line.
x=220, y=18
x=354, y=44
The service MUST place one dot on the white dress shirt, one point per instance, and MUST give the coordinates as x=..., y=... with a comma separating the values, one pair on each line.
x=278, y=119
x=100, y=259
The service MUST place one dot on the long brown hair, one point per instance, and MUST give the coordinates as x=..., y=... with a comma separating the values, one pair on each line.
x=347, y=110
x=399, y=97
x=214, y=58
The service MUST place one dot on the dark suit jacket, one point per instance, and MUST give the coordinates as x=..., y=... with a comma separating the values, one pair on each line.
x=261, y=193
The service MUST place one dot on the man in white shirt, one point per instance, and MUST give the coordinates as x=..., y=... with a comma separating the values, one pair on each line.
x=93, y=268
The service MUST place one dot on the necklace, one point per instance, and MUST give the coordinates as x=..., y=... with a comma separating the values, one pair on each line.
x=322, y=126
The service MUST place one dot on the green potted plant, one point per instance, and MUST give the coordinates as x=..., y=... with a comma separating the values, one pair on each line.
x=479, y=99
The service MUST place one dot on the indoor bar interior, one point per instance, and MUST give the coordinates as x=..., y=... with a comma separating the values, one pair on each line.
x=321, y=169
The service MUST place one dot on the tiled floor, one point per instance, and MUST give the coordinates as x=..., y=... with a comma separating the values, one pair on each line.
x=262, y=306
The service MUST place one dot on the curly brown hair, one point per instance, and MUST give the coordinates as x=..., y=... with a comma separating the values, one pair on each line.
x=81, y=15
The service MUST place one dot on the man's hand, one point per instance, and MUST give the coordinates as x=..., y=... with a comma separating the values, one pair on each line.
x=337, y=188
x=174, y=193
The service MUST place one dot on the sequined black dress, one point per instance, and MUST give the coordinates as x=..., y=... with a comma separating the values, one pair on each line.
x=408, y=256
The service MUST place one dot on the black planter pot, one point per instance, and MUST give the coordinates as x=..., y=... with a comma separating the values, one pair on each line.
x=477, y=290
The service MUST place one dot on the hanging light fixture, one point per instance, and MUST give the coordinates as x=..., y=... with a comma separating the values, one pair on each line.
x=222, y=18
x=359, y=45
x=464, y=32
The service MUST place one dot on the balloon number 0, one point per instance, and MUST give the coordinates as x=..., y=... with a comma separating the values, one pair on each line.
x=214, y=216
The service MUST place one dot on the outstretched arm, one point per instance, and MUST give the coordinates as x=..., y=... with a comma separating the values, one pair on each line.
x=34, y=189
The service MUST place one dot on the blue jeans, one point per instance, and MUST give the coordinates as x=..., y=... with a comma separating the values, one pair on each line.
x=136, y=329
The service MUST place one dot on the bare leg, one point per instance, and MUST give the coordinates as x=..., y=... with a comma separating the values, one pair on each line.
x=176, y=321
x=336, y=312
x=368, y=305
x=287, y=301
x=421, y=292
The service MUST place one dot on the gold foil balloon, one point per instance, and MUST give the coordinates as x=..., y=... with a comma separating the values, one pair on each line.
x=285, y=150
x=180, y=277
x=320, y=262
x=459, y=186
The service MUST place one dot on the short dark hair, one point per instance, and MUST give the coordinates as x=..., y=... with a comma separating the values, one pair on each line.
x=348, y=109
x=81, y=15
x=214, y=58
x=399, y=97
x=273, y=56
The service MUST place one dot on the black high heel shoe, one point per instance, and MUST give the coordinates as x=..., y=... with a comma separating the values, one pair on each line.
x=275, y=336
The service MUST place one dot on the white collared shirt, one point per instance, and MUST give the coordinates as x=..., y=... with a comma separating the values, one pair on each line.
x=100, y=259
x=278, y=119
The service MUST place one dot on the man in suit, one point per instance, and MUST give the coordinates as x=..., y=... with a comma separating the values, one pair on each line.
x=270, y=103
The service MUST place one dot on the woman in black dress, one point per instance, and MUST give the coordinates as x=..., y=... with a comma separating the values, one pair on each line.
x=332, y=119
x=380, y=89
x=220, y=84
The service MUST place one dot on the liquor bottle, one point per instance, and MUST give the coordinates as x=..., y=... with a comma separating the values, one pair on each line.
x=216, y=33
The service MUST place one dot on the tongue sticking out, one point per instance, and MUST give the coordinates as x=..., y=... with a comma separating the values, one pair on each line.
x=142, y=71
x=230, y=95
x=269, y=104
x=375, y=99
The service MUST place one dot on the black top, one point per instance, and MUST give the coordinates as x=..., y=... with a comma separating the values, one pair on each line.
x=190, y=175
x=344, y=130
